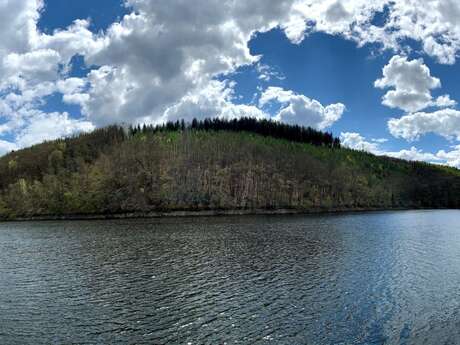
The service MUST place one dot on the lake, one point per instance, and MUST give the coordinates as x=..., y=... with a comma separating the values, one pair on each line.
x=364, y=278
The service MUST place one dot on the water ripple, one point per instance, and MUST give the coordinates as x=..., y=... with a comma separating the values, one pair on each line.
x=376, y=278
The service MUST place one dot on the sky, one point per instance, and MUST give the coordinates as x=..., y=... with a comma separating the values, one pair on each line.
x=381, y=75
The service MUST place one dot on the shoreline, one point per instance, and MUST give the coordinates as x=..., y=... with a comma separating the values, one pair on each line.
x=208, y=213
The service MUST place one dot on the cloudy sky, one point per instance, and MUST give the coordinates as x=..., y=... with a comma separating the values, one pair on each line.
x=382, y=75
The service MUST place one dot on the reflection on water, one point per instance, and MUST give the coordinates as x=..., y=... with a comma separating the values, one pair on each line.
x=375, y=278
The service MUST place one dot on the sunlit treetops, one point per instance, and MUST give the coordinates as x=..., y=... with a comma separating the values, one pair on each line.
x=263, y=127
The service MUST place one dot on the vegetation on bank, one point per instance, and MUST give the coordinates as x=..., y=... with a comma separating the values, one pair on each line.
x=212, y=165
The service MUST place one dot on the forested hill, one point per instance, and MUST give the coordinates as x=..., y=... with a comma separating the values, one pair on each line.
x=212, y=165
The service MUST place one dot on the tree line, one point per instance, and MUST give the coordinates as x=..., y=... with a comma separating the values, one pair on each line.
x=268, y=128
x=212, y=165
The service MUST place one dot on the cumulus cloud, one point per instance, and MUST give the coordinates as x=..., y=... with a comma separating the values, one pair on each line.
x=445, y=122
x=299, y=109
x=435, y=24
x=75, y=39
x=412, y=83
x=165, y=59
x=37, y=66
x=49, y=126
x=162, y=52
x=444, y=102
x=6, y=147
x=451, y=157
x=358, y=142
x=32, y=67
x=38, y=126
x=18, y=21
x=72, y=90
x=215, y=100
x=336, y=12
x=414, y=154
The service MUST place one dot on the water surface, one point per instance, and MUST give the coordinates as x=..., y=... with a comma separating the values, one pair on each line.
x=370, y=278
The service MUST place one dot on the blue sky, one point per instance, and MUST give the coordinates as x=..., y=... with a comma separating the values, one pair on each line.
x=348, y=67
x=58, y=14
x=331, y=69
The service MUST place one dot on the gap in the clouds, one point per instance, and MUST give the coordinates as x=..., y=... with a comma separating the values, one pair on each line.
x=381, y=18
x=432, y=143
x=79, y=68
x=332, y=69
x=429, y=143
x=449, y=76
x=54, y=103
x=7, y=136
x=59, y=14
x=248, y=85
x=413, y=48
x=329, y=69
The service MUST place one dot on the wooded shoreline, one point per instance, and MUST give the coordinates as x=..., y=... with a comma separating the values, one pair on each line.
x=212, y=168
x=209, y=213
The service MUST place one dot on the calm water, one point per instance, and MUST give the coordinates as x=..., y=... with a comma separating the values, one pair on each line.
x=375, y=278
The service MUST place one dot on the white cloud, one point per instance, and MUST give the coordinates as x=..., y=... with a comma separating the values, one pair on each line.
x=76, y=39
x=444, y=102
x=215, y=100
x=49, y=126
x=163, y=52
x=71, y=85
x=18, y=21
x=434, y=24
x=299, y=109
x=414, y=154
x=161, y=61
x=336, y=12
x=267, y=73
x=73, y=90
x=451, y=157
x=412, y=83
x=35, y=66
x=6, y=146
x=445, y=122
x=356, y=141
x=21, y=99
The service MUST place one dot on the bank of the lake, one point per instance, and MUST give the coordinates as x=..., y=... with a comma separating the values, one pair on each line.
x=240, y=166
x=208, y=213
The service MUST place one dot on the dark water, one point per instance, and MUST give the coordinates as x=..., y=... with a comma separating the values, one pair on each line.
x=376, y=278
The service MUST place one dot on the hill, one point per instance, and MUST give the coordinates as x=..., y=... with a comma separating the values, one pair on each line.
x=212, y=165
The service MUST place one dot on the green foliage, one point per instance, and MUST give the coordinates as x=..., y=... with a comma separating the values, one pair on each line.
x=192, y=168
x=267, y=128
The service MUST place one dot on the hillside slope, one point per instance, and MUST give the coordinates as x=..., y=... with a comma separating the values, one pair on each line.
x=111, y=171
